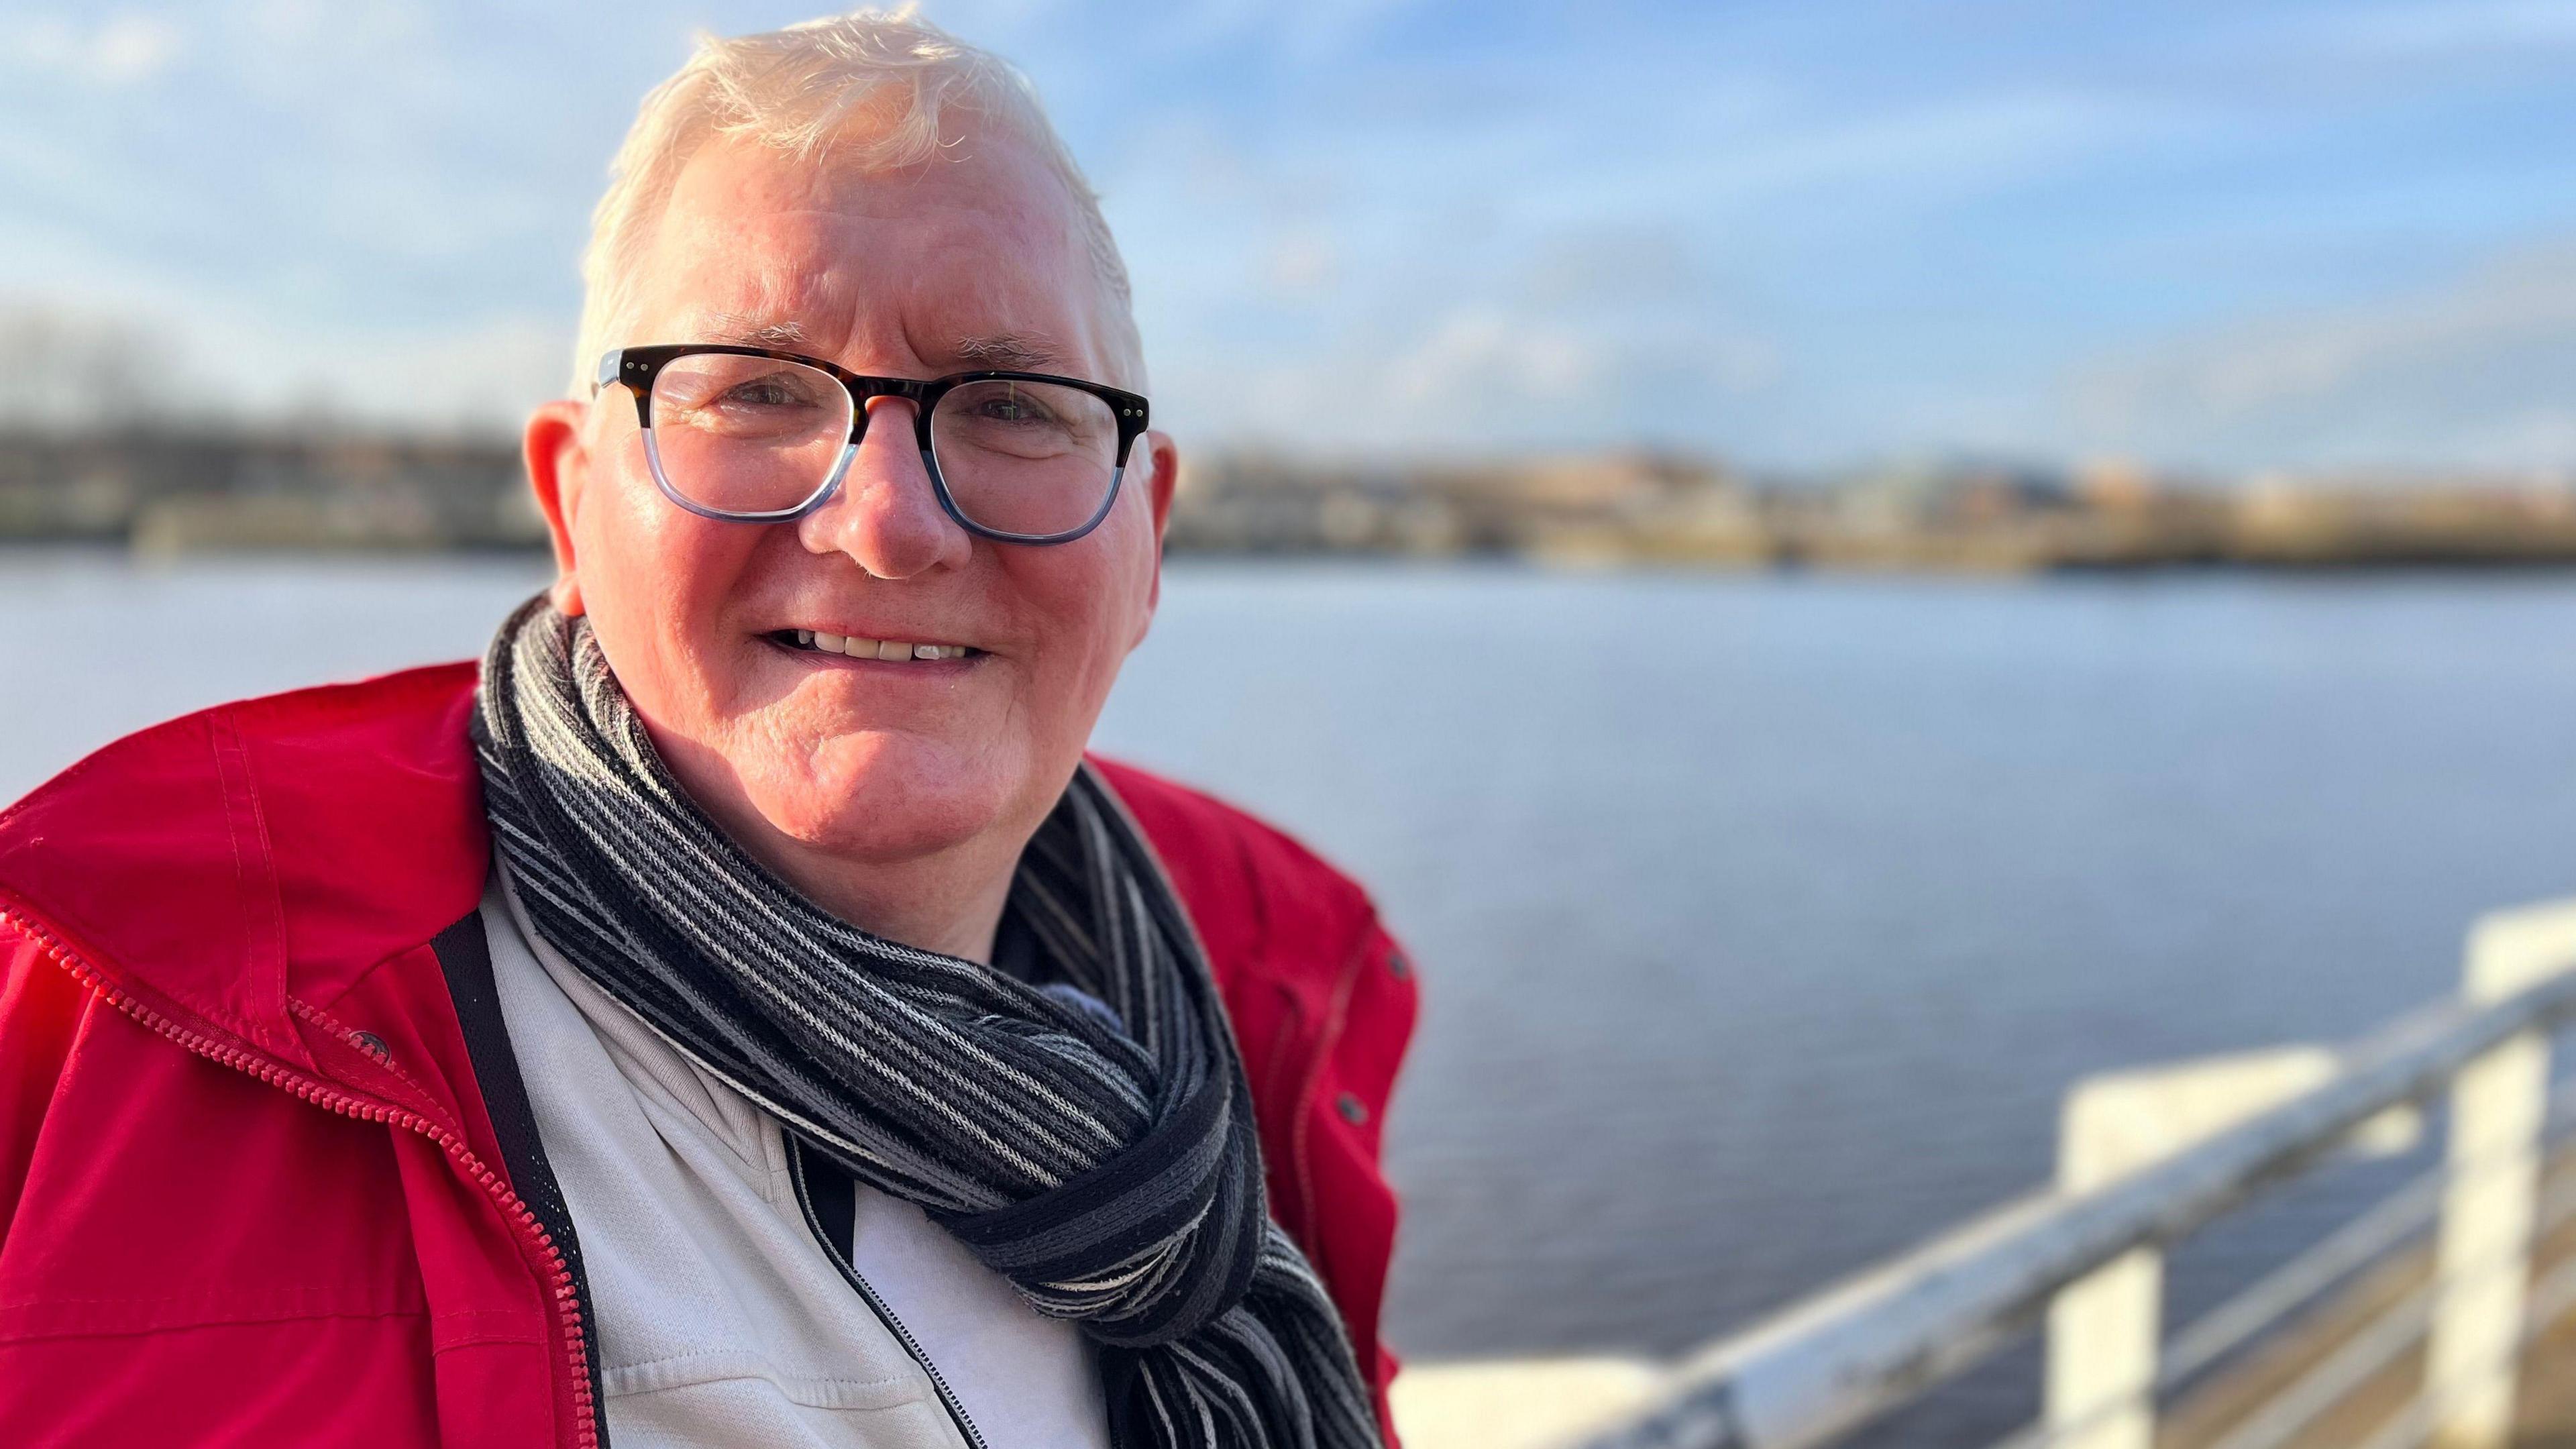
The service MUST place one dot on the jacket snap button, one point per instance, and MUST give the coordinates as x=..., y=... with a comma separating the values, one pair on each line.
x=1351, y=1110
x=374, y=1044
x=1397, y=966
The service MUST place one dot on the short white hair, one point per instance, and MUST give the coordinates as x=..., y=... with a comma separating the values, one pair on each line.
x=866, y=90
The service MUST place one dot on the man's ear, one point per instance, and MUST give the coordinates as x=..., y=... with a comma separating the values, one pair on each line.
x=558, y=460
x=1165, y=459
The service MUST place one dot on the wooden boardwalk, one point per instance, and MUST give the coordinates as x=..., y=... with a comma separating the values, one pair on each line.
x=2545, y=1412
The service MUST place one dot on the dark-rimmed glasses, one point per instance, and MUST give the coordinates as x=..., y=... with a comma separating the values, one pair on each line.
x=754, y=435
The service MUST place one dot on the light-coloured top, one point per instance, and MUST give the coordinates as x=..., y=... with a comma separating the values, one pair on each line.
x=719, y=1320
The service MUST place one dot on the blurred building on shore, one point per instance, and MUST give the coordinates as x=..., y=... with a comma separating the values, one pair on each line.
x=179, y=487
x=183, y=489
x=1615, y=507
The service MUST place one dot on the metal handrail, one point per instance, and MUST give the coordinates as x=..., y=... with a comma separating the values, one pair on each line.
x=1859, y=1349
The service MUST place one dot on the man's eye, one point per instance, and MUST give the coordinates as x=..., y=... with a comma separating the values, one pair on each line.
x=768, y=393
x=1012, y=410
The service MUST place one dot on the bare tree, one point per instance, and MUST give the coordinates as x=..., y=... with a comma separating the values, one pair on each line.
x=67, y=372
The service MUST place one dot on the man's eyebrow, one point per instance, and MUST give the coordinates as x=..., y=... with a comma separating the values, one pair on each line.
x=1010, y=352
x=747, y=331
x=1001, y=351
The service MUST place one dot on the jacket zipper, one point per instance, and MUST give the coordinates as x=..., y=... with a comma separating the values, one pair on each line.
x=868, y=1293
x=347, y=1104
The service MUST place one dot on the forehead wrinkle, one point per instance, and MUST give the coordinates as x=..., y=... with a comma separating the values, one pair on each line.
x=780, y=307
x=802, y=289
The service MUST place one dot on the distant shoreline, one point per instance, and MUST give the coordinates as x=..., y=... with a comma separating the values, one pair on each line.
x=168, y=494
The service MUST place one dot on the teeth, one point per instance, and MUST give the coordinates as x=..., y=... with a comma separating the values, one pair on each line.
x=889, y=649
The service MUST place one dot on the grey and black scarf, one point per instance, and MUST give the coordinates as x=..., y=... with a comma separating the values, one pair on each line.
x=1108, y=1168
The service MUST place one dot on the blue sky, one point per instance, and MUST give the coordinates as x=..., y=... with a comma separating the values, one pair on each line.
x=2225, y=236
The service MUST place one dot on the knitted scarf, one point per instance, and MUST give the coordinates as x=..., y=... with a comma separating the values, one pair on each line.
x=1108, y=1168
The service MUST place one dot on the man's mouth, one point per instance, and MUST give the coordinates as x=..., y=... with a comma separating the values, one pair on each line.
x=815, y=641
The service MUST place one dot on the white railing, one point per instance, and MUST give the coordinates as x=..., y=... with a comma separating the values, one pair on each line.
x=2146, y=1158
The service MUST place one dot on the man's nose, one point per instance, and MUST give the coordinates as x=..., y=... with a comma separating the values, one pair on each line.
x=885, y=516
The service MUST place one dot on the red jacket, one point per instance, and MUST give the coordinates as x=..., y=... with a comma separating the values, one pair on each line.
x=250, y=1192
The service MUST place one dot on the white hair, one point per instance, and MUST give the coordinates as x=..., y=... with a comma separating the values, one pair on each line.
x=869, y=89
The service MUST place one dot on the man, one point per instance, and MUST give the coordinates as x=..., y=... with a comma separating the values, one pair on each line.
x=738, y=1014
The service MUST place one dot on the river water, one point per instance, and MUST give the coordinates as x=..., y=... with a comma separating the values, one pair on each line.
x=1761, y=920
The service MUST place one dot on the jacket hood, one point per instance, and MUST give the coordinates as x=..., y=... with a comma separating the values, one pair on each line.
x=229, y=859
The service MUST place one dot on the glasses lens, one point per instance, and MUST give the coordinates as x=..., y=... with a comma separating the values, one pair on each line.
x=1025, y=457
x=748, y=434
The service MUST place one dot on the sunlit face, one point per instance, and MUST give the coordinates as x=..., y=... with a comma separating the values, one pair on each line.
x=973, y=260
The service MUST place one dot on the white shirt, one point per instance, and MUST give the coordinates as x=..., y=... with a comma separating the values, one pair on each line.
x=719, y=1322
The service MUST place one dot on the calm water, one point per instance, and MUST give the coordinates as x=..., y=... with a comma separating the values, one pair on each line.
x=1761, y=920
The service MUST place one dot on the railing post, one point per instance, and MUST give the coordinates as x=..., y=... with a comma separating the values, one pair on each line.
x=2498, y=1103
x=2103, y=1329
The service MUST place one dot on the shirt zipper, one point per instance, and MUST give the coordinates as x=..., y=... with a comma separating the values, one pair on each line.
x=565, y=1296
x=885, y=1315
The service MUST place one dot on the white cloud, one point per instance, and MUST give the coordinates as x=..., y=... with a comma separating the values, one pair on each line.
x=1313, y=31
x=1480, y=368
x=2417, y=31
x=1476, y=377
x=209, y=351
x=132, y=48
x=2479, y=371
x=1943, y=149
x=1304, y=261
x=124, y=49
x=479, y=373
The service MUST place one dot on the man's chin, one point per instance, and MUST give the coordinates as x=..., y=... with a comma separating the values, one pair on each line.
x=888, y=798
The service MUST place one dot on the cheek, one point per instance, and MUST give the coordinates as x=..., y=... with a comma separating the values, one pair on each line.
x=1091, y=597
x=653, y=579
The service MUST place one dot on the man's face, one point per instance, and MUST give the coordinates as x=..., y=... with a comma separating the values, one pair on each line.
x=964, y=263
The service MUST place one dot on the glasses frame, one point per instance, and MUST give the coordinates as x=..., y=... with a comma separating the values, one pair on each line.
x=637, y=368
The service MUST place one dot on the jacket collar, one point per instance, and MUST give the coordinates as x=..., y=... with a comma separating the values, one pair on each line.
x=225, y=861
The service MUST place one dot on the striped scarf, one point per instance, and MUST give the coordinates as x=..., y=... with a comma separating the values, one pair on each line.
x=1108, y=1168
